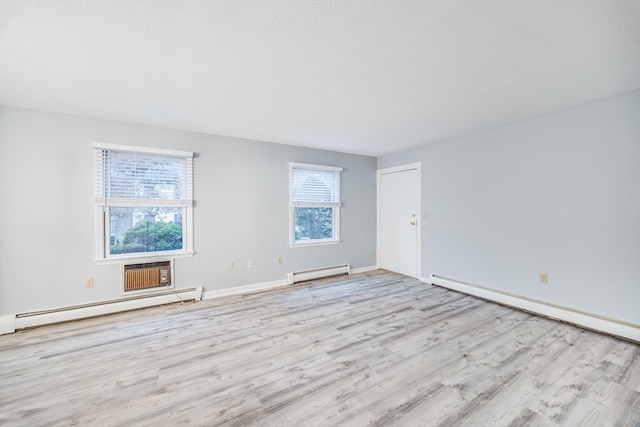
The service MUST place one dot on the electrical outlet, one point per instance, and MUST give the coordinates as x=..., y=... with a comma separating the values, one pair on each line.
x=230, y=265
x=249, y=263
x=544, y=279
x=89, y=282
x=279, y=260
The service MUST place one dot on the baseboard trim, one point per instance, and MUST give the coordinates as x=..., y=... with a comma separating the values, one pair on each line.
x=265, y=286
x=364, y=269
x=585, y=320
x=7, y=324
x=246, y=289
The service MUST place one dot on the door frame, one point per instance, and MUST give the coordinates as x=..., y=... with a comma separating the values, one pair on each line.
x=401, y=168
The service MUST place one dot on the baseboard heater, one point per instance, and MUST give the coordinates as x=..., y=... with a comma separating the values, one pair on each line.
x=591, y=321
x=318, y=273
x=65, y=314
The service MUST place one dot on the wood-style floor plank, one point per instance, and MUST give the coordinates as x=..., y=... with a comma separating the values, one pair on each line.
x=372, y=349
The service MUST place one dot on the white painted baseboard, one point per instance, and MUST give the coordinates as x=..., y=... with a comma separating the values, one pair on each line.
x=7, y=324
x=246, y=289
x=257, y=287
x=364, y=269
x=586, y=320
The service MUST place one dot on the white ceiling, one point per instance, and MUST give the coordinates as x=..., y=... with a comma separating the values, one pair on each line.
x=366, y=77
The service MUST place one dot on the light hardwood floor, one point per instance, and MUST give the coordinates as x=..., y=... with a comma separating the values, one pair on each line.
x=374, y=349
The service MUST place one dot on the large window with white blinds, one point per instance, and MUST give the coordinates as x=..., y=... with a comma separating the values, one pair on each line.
x=144, y=202
x=314, y=196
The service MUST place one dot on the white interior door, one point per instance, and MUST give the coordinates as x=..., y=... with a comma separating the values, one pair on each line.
x=398, y=216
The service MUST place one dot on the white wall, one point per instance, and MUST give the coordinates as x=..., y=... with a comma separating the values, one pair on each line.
x=558, y=193
x=241, y=213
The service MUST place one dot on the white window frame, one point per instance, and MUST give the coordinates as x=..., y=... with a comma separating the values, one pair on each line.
x=336, y=205
x=102, y=218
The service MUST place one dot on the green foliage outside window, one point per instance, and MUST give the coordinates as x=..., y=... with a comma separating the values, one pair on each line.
x=147, y=236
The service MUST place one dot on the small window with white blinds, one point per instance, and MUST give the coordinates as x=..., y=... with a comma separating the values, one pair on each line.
x=144, y=201
x=314, y=197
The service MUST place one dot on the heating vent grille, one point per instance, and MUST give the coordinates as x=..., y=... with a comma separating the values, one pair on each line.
x=146, y=276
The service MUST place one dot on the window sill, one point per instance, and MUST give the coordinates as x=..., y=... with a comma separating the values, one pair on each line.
x=316, y=243
x=143, y=258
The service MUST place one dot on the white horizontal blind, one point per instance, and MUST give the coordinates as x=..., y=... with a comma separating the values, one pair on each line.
x=315, y=185
x=132, y=178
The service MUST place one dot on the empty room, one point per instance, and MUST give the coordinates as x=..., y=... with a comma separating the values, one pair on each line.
x=320, y=213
